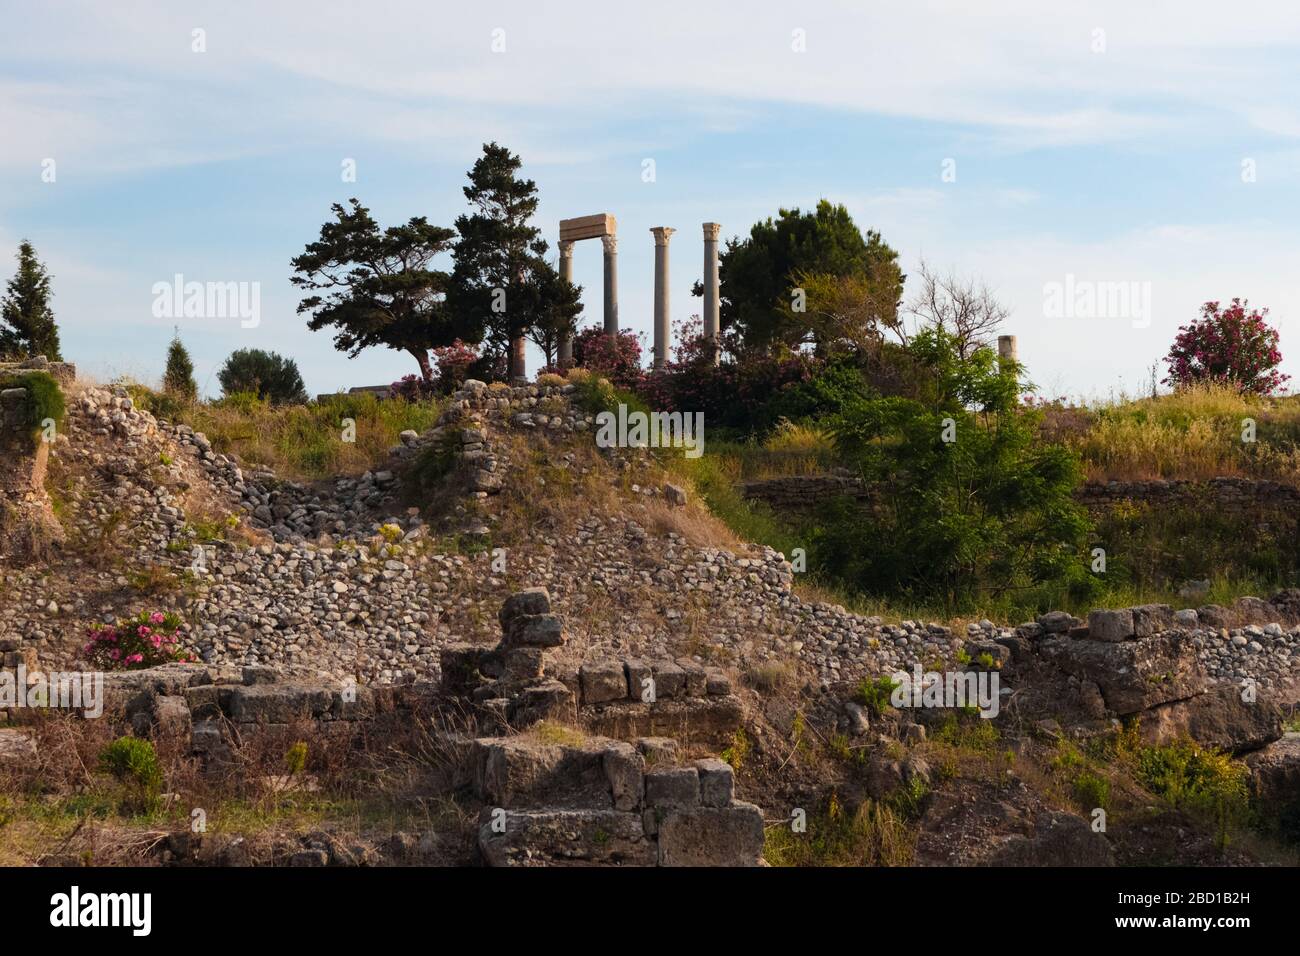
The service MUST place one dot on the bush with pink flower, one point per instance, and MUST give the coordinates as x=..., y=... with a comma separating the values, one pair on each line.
x=146, y=640
x=1231, y=346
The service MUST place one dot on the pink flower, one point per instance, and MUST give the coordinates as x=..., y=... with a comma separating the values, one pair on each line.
x=142, y=630
x=157, y=617
x=135, y=659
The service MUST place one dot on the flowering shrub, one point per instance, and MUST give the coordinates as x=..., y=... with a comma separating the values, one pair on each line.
x=1231, y=346
x=617, y=359
x=146, y=640
x=412, y=388
x=735, y=393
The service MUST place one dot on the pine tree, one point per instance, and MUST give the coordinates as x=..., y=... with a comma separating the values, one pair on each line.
x=26, y=321
x=376, y=286
x=178, y=380
x=502, y=280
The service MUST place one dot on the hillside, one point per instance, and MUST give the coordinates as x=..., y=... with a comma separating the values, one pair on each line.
x=391, y=622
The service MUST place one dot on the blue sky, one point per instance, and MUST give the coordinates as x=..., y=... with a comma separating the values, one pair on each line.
x=1111, y=156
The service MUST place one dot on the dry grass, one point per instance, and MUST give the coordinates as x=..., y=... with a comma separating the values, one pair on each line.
x=300, y=442
x=1194, y=433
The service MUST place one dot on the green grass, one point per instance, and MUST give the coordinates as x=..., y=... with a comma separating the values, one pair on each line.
x=301, y=442
x=44, y=398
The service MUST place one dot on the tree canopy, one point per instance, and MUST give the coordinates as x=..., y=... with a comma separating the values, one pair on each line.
x=27, y=325
x=760, y=273
x=376, y=287
x=502, y=282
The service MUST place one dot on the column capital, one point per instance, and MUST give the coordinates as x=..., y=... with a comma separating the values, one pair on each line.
x=566, y=248
x=712, y=230
x=662, y=234
x=610, y=243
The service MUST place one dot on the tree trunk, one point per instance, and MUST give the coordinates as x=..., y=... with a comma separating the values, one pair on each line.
x=426, y=368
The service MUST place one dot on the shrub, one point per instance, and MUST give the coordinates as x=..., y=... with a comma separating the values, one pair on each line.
x=146, y=640
x=830, y=388
x=970, y=504
x=44, y=398
x=1205, y=782
x=295, y=759
x=133, y=762
x=731, y=394
x=875, y=695
x=617, y=359
x=1231, y=346
x=270, y=376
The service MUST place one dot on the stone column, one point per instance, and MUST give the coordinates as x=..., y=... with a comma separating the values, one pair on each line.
x=712, y=308
x=662, y=234
x=611, y=284
x=1007, y=347
x=564, y=352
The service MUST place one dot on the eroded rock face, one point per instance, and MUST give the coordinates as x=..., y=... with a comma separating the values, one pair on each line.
x=1132, y=675
x=565, y=838
x=1057, y=839
x=1222, y=718
x=1275, y=779
x=712, y=836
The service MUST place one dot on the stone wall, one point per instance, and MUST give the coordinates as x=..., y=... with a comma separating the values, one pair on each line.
x=27, y=522
x=607, y=802
x=520, y=682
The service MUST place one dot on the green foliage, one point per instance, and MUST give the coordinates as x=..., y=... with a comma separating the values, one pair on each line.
x=738, y=752
x=1204, y=782
x=966, y=730
x=1091, y=790
x=27, y=325
x=268, y=375
x=376, y=288
x=875, y=694
x=44, y=397
x=499, y=253
x=874, y=834
x=757, y=273
x=162, y=405
x=834, y=387
x=178, y=379
x=295, y=759
x=970, y=501
x=134, y=762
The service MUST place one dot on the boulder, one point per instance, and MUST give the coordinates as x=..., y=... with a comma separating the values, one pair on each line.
x=1058, y=839
x=278, y=703
x=1275, y=780
x=564, y=838
x=1150, y=619
x=1218, y=718
x=712, y=836
x=1111, y=625
x=602, y=682
x=527, y=601
x=717, y=782
x=534, y=630
x=1132, y=675
x=672, y=787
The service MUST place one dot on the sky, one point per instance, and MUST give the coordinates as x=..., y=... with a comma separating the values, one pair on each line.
x=1092, y=149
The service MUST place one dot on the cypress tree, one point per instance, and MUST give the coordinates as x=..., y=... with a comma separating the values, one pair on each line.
x=27, y=325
